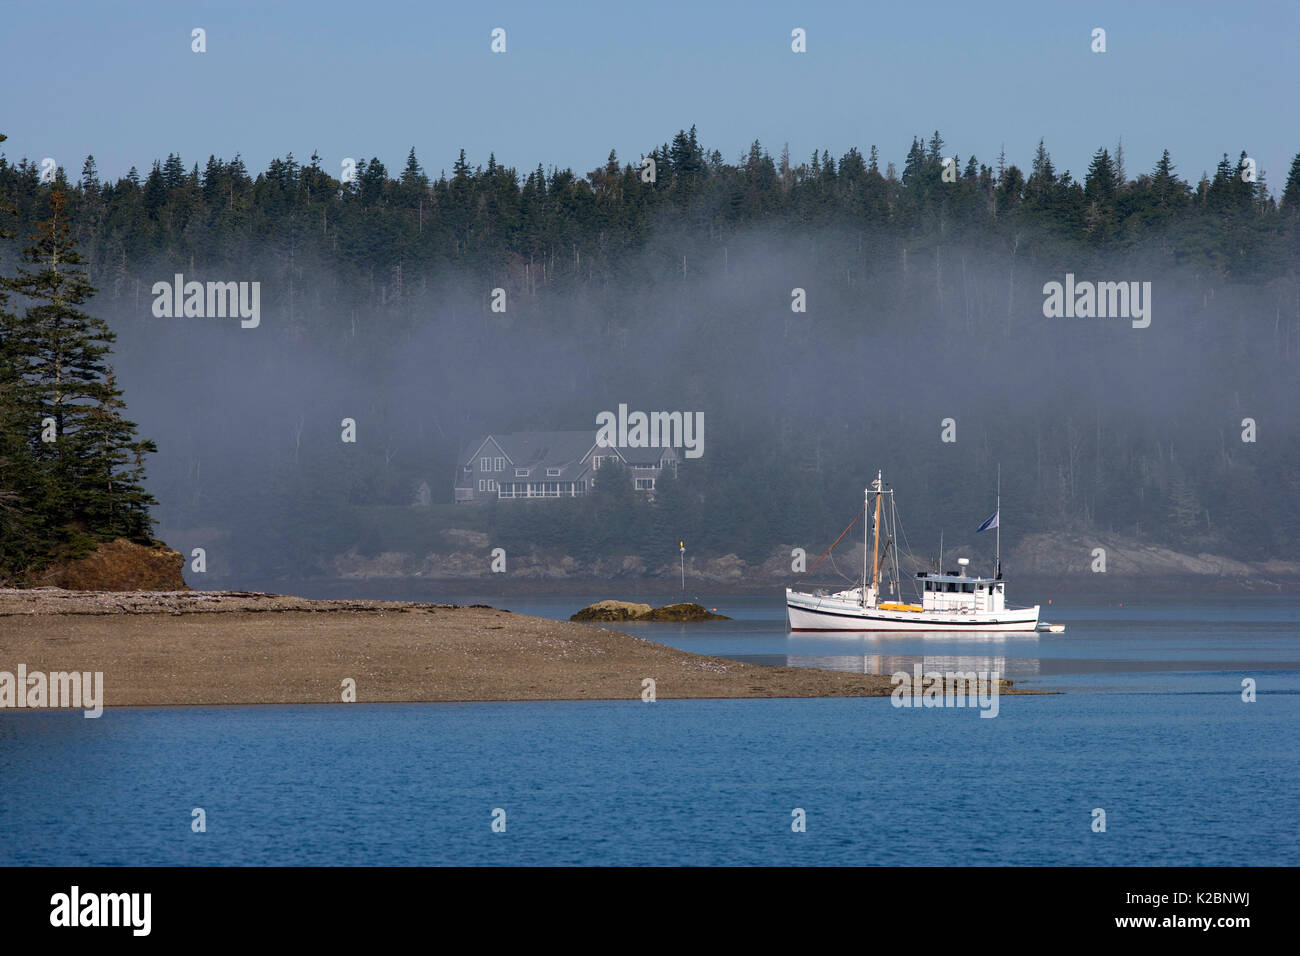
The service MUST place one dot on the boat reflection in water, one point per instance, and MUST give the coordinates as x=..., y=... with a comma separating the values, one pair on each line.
x=1008, y=667
x=1013, y=655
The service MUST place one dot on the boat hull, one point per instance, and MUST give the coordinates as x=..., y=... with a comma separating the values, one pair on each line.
x=811, y=612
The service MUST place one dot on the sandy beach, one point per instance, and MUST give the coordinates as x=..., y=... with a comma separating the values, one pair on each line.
x=203, y=648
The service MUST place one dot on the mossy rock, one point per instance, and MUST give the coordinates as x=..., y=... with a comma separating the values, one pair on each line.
x=613, y=611
x=627, y=611
x=684, y=612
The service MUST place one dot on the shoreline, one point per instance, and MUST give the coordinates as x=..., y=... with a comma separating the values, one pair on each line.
x=204, y=648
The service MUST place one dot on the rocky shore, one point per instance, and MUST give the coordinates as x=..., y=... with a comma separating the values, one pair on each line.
x=1055, y=563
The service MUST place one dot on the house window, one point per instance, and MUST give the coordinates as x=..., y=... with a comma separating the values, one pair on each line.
x=521, y=472
x=595, y=462
x=491, y=484
x=485, y=464
x=553, y=472
x=645, y=484
x=581, y=486
x=500, y=464
x=482, y=485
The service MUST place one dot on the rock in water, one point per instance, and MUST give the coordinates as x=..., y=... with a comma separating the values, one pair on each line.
x=684, y=612
x=626, y=611
x=613, y=611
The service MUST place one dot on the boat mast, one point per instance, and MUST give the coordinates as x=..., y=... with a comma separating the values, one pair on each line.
x=866, y=503
x=893, y=536
x=875, y=542
x=997, y=510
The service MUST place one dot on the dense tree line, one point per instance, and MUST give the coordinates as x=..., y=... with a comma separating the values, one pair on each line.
x=946, y=255
x=557, y=226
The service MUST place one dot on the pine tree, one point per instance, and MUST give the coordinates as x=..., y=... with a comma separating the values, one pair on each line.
x=173, y=172
x=155, y=191
x=1099, y=192
x=20, y=531
x=1042, y=171
x=1099, y=184
x=936, y=147
x=914, y=167
x=413, y=175
x=372, y=182
x=91, y=475
x=1167, y=189
x=828, y=166
x=1041, y=187
x=90, y=177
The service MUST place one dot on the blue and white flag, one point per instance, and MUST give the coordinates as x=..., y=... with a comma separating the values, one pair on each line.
x=990, y=522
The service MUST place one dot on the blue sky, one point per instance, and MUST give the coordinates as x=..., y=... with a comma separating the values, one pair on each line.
x=364, y=79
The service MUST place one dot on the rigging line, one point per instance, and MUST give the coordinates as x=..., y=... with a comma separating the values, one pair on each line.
x=906, y=548
x=884, y=555
x=836, y=569
x=837, y=540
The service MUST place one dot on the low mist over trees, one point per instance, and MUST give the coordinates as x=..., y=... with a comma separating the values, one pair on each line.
x=923, y=285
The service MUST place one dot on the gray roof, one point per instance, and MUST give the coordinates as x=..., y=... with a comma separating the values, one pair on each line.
x=537, y=452
x=559, y=449
x=645, y=456
x=550, y=449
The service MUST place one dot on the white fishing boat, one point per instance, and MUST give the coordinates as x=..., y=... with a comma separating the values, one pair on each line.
x=949, y=601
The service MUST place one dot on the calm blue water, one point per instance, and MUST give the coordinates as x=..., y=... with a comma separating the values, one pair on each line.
x=1151, y=727
x=1103, y=636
